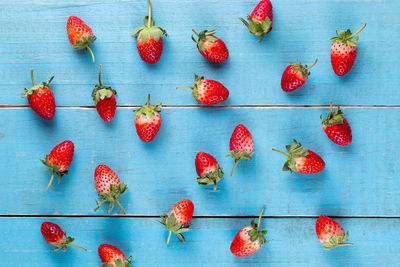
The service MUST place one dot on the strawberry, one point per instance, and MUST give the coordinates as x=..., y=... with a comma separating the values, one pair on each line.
x=301, y=159
x=249, y=239
x=208, y=170
x=104, y=100
x=241, y=145
x=113, y=257
x=208, y=92
x=79, y=34
x=178, y=220
x=260, y=21
x=210, y=46
x=109, y=187
x=41, y=98
x=149, y=40
x=344, y=51
x=148, y=121
x=330, y=233
x=337, y=128
x=294, y=76
x=55, y=236
x=59, y=160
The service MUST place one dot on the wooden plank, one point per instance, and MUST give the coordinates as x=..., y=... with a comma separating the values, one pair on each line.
x=293, y=242
x=358, y=180
x=33, y=36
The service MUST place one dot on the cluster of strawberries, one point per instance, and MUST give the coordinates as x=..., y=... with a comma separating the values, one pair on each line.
x=148, y=122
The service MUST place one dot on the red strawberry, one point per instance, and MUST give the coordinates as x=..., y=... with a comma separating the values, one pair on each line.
x=249, y=239
x=80, y=35
x=294, y=76
x=210, y=46
x=330, y=233
x=59, y=160
x=344, y=51
x=148, y=121
x=56, y=237
x=241, y=145
x=149, y=40
x=208, y=170
x=41, y=99
x=113, y=257
x=208, y=92
x=337, y=128
x=301, y=159
x=178, y=220
x=260, y=21
x=108, y=186
x=104, y=100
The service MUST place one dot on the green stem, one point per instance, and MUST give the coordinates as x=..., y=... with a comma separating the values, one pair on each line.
x=286, y=154
x=91, y=52
x=120, y=206
x=259, y=219
x=73, y=245
x=169, y=237
x=33, y=80
x=315, y=62
x=357, y=32
x=51, y=180
x=100, y=76
x=330, y=104
x=345, y=244
x=184, y=87
x=195, y=32
x=148, y=100
x=149, y=21
x=234, y=166
x=215, y=186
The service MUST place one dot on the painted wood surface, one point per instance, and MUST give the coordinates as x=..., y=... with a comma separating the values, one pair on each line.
x=33, y=35
x=359, y=185
x=358, y=180
x=292, y=243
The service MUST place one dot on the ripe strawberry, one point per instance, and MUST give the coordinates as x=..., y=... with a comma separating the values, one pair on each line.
x=260, y=20
x=104, y=100
x=79, y=34
x=55, y=236
x=41, y=99
x=208, y=92
x=148, y=121
x=241, y=145
x=59, y=160
x=301, y=159
x=330, y=233
x=337, y=128
x=249, y=239
x=149, y=40
x=208, y=170
x=344, y=51
x=108, y=186
x=178, y=220
x=294, y=76
x=210, y=46
x=113, y=257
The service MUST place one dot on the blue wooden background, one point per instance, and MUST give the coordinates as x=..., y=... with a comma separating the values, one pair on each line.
x=359, y=187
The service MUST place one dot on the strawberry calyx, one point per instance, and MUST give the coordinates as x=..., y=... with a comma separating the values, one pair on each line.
x=100, y=92
x=204, y=36
x=304, y=70
x=346, y=37
x=149, y=31
x=337, y=240
x=170, y=223
x=119, y=263
x=255, y=233
x=65, y=241
x=195, y=91
x=211, y=178
x=30, y=91
x=334, y=117
x=147, y=109
x=238, y=156
x=112, y=197
x=84, y=43
x=53, y=169
x=256, y=27
x=296, y=150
